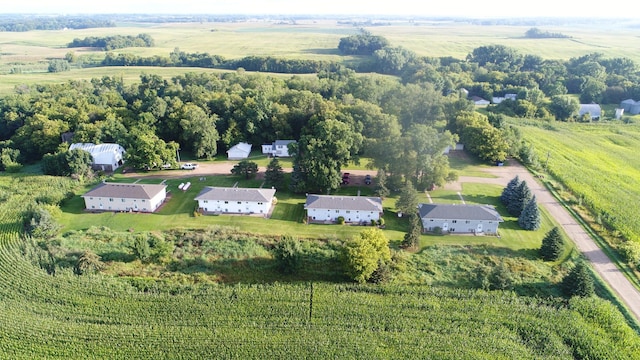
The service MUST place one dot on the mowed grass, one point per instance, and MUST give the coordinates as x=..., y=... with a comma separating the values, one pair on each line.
x=511, y=236
x=599, y=163
x=288, y=214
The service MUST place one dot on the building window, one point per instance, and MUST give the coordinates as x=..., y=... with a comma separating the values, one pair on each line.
x=142, y=200
x=348, y=212
x=466, y=222
x=226, y=202
x=206, y=201
x=239, y=202
x=111, y=199
x=337, y=211
x=122, y=200
x=259, y=203
x=454, y=221
x=90, y=198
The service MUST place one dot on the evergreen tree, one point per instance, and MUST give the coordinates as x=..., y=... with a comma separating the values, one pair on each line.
x=381, y=184
x=245, y=168
x=407, y=203
x=552, y=245
x=521, y=197
x=412, y=237
x=274, y=175
x=508, y=192
x=530, y=217
x=579, y=281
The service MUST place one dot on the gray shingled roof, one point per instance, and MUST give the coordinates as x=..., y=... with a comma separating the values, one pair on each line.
x=362, y=203
x=236, y=194
x=459, y=212
x=126, y=191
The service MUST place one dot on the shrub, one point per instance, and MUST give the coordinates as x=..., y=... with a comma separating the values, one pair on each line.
x=287, y=254
x=340, y=220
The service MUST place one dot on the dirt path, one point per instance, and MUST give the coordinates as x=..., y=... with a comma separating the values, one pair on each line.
x=599, y=260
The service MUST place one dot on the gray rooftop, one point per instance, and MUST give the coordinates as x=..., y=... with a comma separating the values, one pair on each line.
x=362, y=203
x=126, y=191
x=236, y=194
x=459, y=212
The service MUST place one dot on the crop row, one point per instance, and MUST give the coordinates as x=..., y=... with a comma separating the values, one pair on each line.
x=62, y=315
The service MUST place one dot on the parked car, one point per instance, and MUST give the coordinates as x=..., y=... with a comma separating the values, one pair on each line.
x=189, y=166
x=167, y=166
x=345, y=179
x=367, y=179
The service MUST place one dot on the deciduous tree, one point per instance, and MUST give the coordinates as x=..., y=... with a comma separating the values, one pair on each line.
x=365, y=252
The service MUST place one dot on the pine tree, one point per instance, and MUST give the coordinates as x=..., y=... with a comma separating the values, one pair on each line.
x=412, y=237
x=579, y=281
x=530, y=217
x=407, y=202
x=508, y=192
x=381, y=184
x=274, y=175
x=521, y=197
x=552, y=245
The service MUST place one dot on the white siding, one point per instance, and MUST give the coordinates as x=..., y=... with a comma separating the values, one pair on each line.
x=124, y=204
x=348, y=215
x=234, y=207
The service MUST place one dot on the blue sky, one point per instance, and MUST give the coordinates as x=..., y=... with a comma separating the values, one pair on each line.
x=465, y=8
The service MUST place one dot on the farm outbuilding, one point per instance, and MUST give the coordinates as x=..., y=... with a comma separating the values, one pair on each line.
x=594, y=111
x=105, y=157
x=630, y=106
x=239, y=151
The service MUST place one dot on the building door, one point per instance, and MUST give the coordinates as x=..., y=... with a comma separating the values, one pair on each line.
x=445, y=227
x=479, y=228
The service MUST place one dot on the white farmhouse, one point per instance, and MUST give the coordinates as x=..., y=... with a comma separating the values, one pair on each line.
x=105, y=157
x=125, y=197
x=239, y=151
x=235, y=200
x=277, y=148
x=454, y=218
x=323, y=208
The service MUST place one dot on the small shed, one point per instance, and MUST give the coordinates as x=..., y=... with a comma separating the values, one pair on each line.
x=239, y=151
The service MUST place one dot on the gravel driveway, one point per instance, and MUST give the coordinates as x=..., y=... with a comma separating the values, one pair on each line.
x=600, y=262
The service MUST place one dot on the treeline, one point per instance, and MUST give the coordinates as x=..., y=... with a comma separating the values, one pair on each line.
x=179, y=58
x=113, y=42
x=28, y=23
x=535, y=33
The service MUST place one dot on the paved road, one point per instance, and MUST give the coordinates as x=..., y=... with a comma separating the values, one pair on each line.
x=599, y=260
